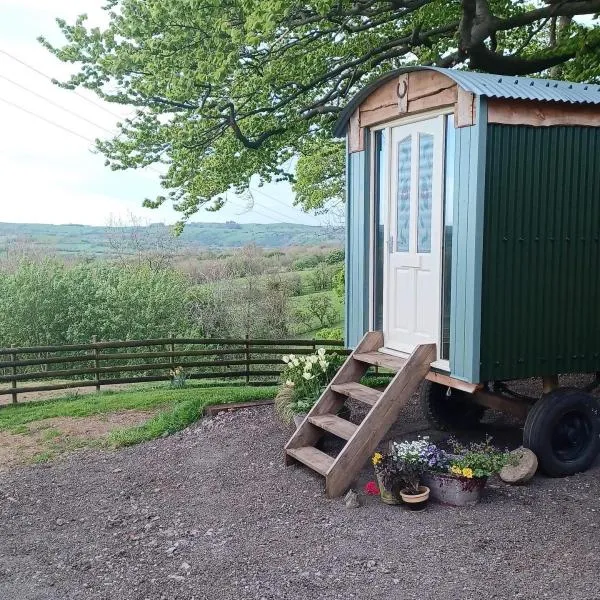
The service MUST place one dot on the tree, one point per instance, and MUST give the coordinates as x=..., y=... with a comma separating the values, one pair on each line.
x=227, y=89
x=135, y=241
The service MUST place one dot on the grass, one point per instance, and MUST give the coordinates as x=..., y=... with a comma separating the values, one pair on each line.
x=180, y=408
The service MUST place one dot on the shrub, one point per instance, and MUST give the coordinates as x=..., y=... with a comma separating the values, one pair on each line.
x=303, y=380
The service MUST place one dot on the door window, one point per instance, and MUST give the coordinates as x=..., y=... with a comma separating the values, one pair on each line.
x=403, y=195
x=425, y=193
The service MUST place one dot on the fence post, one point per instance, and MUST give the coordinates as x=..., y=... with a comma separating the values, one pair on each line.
x=314, y=345
x=172, y=349
x=247, y=359
x=96, y=363
x=13, y=383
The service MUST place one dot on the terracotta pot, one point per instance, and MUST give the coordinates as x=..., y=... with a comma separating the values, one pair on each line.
x=416, y=501
x=387, y=496
x=455, y=491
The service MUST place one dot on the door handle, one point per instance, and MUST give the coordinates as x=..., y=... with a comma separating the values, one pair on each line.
x=390, y=244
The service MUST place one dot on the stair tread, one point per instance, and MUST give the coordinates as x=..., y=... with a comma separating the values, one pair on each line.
x=315, y=459
x=334, y=424
x=357, y=391
x=379, y=359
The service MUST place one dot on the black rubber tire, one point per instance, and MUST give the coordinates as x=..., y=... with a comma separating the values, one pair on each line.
x=445, y=412
x=563, y=430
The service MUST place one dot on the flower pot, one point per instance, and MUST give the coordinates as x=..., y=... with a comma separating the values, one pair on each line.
x=387, y=496
x=455, y=491
x=416, y=501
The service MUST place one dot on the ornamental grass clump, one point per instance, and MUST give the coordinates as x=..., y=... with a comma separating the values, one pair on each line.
x=303, y=380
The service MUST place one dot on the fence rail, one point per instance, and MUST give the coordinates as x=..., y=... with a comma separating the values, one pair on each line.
x=252, y=361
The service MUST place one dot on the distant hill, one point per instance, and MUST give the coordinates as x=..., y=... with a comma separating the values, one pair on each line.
x=95, y=241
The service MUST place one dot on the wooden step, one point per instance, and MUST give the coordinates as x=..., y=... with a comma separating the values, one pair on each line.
x=315, y=459
x=357, y=391
x=335, y=425
x=379, y=359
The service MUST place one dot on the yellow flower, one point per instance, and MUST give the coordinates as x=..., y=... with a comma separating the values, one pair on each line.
x=456, y=470
x=468, y=473
x=377, y=458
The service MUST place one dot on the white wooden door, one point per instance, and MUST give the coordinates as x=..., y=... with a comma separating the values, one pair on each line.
x=412, y=278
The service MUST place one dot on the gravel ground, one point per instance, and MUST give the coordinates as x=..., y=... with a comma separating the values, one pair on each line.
x=212, y=513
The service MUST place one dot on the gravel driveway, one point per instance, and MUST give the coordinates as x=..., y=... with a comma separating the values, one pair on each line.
x=213, y=514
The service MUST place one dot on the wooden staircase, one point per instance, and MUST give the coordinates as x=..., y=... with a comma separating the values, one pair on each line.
x=361, y=440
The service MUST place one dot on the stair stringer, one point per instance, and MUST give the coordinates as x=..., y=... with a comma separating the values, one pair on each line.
x=308, y=434
x=378, y=421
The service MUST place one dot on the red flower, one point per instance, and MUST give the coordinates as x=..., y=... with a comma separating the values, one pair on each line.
x=371, y=489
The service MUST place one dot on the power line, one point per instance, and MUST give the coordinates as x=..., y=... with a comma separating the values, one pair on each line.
x=33, y=114
x=66, y=129
x=75, y=133
x=280, y=202
x=56, y=104
x=46, y=76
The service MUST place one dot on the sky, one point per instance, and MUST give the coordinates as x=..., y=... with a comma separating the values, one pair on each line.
x=48, y=172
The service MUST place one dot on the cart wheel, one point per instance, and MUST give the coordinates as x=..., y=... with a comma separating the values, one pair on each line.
x=445, y=412
x=564, y=431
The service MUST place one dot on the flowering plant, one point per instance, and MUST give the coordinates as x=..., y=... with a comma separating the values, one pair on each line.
x=303, y=379
x=386, y=469
x=476, y=460
x=416, y=457
x=178, y=377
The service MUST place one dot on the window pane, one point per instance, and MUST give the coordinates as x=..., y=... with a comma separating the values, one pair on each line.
x=447, y=243
x=381, y=178
x=403, y=196
x=425, y=193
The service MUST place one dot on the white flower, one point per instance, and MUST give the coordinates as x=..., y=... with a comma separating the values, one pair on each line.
x=290, y=383
x=295, y=362
x=323, y=364
x=321, y=352
x=285, y=359
x=307, y=376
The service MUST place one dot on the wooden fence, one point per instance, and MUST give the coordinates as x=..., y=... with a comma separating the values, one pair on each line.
x=253, y=362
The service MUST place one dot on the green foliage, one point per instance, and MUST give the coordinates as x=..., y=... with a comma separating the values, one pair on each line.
x=339, y=283
x=477, y=459
x=321, y=277
x=304, y=378
x=224, y=91
x=50, y=303
x=335, y=257
x=330, y=333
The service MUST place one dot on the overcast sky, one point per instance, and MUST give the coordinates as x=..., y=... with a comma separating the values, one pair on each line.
x=49, y=175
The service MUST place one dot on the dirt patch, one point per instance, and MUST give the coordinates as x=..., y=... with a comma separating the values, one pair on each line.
x=50, y=437
x=213, y=513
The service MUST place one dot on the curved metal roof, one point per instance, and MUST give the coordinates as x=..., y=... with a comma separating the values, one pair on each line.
x=491, y=86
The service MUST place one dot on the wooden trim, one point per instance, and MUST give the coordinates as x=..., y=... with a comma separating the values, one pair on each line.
x=425, y=90
x=403, y=83
x=211, y=411
x=464, y=110
x=356, y=134
x=542, y=114
x=512, y=406
x=451, y=382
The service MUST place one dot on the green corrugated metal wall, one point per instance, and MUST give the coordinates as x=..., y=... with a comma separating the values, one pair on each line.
x=357, y=249
x=541, y=278
x=467, y=234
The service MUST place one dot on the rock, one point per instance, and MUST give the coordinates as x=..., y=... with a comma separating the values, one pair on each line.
x=351, y=499
x=524, y=468
x=60, y=522
x=298, y=420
